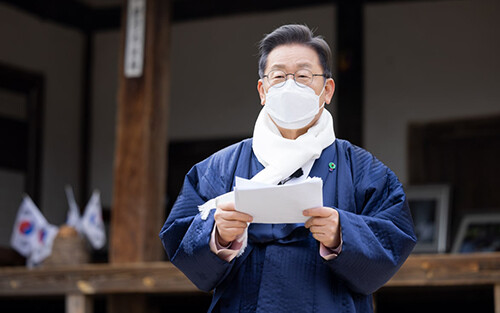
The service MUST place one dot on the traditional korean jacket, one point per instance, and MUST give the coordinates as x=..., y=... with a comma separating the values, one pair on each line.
x=281, y=269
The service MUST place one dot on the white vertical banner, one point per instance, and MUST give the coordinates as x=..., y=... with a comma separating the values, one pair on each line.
x=92, y=223
x=135, y=38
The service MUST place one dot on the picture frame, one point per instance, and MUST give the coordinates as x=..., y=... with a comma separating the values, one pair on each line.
x=429, y=206
x=478, y=233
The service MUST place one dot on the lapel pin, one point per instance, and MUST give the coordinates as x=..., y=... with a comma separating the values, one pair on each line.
x=332, y=166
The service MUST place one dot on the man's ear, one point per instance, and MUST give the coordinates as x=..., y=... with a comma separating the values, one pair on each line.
x=260, y=89
x=329, y=90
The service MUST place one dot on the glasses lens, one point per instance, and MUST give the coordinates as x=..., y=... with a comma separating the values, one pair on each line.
x=303, y=77
x=276, y=78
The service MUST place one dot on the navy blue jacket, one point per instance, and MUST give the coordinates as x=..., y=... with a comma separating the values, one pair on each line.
x=281, y=270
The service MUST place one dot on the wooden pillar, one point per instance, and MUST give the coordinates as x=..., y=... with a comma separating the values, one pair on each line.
x=141, y=146
x=79, y=303
x=497, y=297
x=349, y=87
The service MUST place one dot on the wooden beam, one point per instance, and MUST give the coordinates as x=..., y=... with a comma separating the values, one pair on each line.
x=86, y=118
x=91, y=279
x=76, y=14
x=163, y=277
x=138, y=207
x=448, y=270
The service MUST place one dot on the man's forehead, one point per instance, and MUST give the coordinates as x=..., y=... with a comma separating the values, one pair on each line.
x=300, y=64
x=297, y=56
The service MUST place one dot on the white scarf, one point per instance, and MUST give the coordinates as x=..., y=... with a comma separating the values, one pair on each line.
x=281, y=157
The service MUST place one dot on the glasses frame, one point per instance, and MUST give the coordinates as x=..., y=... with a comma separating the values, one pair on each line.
x=279, y=85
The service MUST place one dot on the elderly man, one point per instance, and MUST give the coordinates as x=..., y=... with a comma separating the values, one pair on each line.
x=343, y=253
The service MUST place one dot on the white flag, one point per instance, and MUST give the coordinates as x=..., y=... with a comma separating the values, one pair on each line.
x=73, y=219
x=32, y=233
x=92, y=223
x=42, y=248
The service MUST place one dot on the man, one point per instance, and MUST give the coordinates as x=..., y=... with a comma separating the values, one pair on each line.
x=343, y=253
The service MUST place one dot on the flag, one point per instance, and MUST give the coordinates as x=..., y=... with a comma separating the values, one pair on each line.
x=73, y=218
x=28, y=216
x=92, y=223
x=42, y=247
x=32, y=236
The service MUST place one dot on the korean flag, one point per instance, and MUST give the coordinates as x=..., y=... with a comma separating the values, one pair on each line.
x=42, y=247
x=73, y=219
x=32, y=235
x=92, y=223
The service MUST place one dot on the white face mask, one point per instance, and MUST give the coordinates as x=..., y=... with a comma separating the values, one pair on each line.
x=291, y=106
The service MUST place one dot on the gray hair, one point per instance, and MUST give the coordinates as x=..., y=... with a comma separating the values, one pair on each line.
x=295, y=34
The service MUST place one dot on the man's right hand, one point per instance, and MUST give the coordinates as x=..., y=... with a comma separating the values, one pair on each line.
x=230, y=223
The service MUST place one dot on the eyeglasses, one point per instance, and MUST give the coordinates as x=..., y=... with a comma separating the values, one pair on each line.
x=302, y=77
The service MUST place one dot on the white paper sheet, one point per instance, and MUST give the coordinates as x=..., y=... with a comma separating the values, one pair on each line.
x=273, y=204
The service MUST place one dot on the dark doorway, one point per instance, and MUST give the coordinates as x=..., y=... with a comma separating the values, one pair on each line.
x=21, y=107
x=464, y=154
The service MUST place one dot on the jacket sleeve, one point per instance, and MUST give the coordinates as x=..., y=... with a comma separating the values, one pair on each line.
x=378, y=234
x=185, y=236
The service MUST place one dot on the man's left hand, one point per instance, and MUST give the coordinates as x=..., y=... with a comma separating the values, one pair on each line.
x=324, y=226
